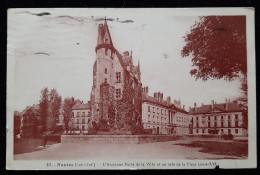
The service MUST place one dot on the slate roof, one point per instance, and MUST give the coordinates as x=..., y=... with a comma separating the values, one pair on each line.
x=163, y=103
x=231, y=107
x=81, y=106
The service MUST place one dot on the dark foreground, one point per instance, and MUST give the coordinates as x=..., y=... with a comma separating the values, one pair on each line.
x=229, y=148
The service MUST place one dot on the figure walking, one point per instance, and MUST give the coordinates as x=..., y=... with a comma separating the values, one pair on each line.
x=44, y=140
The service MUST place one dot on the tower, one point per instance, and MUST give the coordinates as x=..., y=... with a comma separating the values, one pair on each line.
x=117, y=90
x=102, y=70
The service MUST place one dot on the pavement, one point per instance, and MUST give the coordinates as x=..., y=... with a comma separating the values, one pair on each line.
x=85, y=151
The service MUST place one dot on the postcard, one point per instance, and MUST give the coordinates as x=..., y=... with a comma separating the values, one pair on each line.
x=131, y=88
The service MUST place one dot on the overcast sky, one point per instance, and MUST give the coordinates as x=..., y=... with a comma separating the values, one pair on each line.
x=57, y=50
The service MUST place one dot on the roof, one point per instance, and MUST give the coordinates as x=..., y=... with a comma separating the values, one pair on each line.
x=162, y=103
x=81, y=106
x=231, y=107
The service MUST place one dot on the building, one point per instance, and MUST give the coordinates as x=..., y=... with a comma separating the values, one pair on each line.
x=81, y=116
x=224, y=118
x=116, y=95
x=163, y=117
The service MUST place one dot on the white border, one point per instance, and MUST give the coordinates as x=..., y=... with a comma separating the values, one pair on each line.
x=250, y=163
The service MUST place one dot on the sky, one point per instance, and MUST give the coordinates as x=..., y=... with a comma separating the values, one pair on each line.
x=55, y=48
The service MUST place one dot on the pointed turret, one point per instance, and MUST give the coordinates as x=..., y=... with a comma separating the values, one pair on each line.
x=139, y=71
x=104, y=37
x=107, y=37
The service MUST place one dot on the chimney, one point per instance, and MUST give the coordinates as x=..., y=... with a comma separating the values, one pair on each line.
x=212, y=104
x=183, y=107
x=189, y=109
x=195, y=106
x=202, y=104
x=161, y=97
x=155, y=95
x=168, y=100
x=131, y=53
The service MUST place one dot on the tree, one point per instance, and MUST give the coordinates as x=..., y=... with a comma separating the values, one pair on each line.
x=68, y=103
x=30, y=122
x=43, y=111
x=17, y=123
x=54, y=106
x=217, y=45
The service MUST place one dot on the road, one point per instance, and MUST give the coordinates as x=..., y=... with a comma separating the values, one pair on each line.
x=86, y=151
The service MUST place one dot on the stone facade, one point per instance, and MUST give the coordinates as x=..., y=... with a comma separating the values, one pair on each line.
x=224, y=118
x=81, y=116
x=116, y=91
x=163, y=117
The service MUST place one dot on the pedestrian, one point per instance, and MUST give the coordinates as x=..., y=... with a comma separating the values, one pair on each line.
x=44, y=140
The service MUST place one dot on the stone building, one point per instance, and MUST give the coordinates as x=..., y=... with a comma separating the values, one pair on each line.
x=163, y=117
x=81, y=116
x=117, y=90
x=224, y=118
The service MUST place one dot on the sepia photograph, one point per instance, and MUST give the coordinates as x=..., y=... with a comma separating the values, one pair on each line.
x=131, y=88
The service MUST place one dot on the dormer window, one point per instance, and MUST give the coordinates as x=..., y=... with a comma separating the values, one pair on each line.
x=105, y=70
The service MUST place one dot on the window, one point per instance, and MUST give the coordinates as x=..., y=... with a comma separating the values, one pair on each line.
x=118, y=77
x=157, y=119
x=236, y=123
x=236, y=131
x=77, y=120
x=157, y=110
x=83, y=114
x=72, y=114
x=222, y=117
x=77, y=114
x=83, y=120
x=161, y=111
x=208, y=117
x=83, y=127
x=221, y=124
x=236, y=116
x=149, y=118
x=215, y=117
x=229, y=117
x=105, y=70
x=118, y=93
x=149, y=109
x=165, y=112
x=153, y=110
